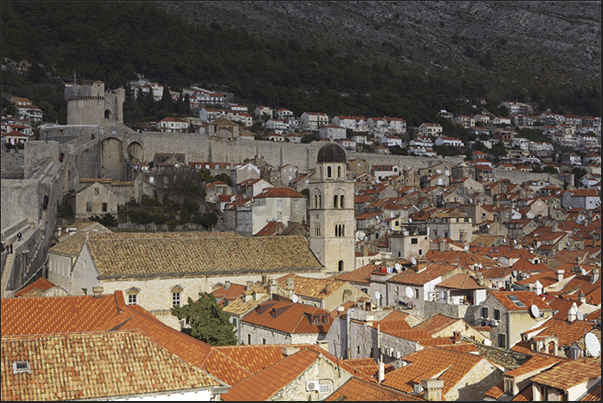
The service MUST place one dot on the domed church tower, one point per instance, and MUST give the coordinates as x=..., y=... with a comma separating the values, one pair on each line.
x=331, y=211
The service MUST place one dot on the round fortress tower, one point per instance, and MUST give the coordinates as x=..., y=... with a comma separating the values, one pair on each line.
x=91, y=105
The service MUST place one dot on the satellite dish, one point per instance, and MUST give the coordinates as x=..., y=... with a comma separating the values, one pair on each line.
x=377, y=295
x=413, y=260
x=397, y=266
x=593, y=346
x=504, y=240
x=487, y=342
x=409, y=292
x=580, y=315
x=583, y=271
x=294, y=298
x=515, y=241
x=466, y=248
x=514, y=273
x=410, y=220
x=535, y=311
x=488, y=226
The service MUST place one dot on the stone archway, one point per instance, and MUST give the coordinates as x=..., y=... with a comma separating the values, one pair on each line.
x=112, y=159
x=135, y=151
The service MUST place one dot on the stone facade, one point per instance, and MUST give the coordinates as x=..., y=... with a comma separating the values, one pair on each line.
x=97, y=200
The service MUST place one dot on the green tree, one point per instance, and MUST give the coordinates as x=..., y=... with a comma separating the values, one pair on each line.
x=208, y=322
x=108, y=220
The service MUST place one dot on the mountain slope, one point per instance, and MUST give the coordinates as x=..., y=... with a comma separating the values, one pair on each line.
x=547, y=44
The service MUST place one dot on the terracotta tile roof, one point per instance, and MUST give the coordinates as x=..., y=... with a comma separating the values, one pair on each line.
x=356, y=389
x=360, y=275
x=33, y=289
x=537, y=362
x=240, y=307
x=464, y=258
x=524, y=395
x=315, y=288
x=460, y=282
x=288, y=317
x=461, y=347
x=368, y=365
x=497, y=272
x=72, y=245
x=93, y=366
x=436, y=323
x=26, y=316
x=528, y=298
x=122, y=254
x=496, y=391
x=279, y=192
x=427, y=363
x=271, y=229
x=567, y=333
x=431, y=272
x=593, y=395
x=562, y=305
x=569, y=374
x=264, y=384
x=231, y=293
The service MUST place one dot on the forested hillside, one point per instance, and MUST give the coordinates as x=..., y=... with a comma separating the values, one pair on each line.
x=112, y=41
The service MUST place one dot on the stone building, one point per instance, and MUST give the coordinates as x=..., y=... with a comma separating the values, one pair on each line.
x=162, y=270
x=95, y=199
x=331, y=211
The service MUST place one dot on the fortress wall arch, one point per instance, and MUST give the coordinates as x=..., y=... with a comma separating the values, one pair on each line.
x=112, y=159
x=135, y=151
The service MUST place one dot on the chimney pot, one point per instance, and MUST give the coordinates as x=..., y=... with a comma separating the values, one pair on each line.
x=226, y=285
x=249, y=285
x=559, y=274
x=457, y=336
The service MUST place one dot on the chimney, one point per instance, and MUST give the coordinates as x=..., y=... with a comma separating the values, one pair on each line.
x=327, y=288
x=572, y=313
x=480, y=279
x=559, y=274
x=594, y=275
x=442, y=245
x=582, y=297
x=421, y=265
x=264, y=279
x=365, y=250
x=456, y=335
x=226, y=285
x=290, y=283
x=98, y=292
x=289, y=350
x=249, y=285
x=433, y=389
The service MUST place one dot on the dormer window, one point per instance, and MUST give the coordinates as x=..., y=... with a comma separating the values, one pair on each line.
x=21, y=366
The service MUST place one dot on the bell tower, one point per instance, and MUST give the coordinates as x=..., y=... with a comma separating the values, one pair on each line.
x=331, y=211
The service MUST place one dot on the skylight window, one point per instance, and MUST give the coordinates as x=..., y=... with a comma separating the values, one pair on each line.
x=21, y=366
x=516, y=301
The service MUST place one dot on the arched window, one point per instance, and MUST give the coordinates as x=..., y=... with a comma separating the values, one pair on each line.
x=319, y=201
x=329, y=171
x=339, y=172
x=315, y=201
x=341, y=205
x=340, y=265
x=335, y=201
x=336, y=230
x=342, y=231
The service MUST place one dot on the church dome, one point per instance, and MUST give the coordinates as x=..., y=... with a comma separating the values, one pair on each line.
x=331, y=153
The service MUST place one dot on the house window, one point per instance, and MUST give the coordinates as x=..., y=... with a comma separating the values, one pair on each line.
x=96, y=191
x=484, y=312
x=502, y=340
x=497, y=314
x=104, y=207
x=420, y=252
x=249, y=340
x=340, y=265
x=416, y=293
x=175, y=299
x=414, y=241
x=328, y=172
x=89, y=207
x=341, y=205
x=234, y=322
x=132, y=299
x=263, y=341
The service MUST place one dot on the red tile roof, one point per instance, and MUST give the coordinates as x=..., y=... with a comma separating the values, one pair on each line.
x=40, y=284
x=267, y=382
x=528, y=298
x=428, y=363
x=569, y=374
x=25, y=316
x=287, y=317
x=279, y=192
x=567, y=333
x=356, y=389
